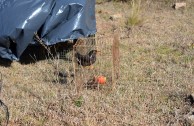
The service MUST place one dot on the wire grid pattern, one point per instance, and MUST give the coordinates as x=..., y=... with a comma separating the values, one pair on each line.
x=84, y=76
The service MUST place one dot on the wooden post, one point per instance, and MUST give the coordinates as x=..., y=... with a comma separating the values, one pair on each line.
x=115, y=59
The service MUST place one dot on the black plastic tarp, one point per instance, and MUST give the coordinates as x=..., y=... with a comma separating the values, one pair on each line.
x=54, y=20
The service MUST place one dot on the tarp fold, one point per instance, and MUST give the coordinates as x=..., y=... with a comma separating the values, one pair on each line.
x=54, y=21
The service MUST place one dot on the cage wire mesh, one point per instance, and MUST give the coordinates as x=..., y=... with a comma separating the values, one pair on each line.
x=63, y=68
x=84, y=76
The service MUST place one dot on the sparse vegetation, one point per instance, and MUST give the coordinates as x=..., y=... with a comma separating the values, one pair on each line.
x=156, y=74
x=134, y=18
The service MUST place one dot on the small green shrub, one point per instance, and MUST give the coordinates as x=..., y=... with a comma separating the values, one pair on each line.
x=79, y=101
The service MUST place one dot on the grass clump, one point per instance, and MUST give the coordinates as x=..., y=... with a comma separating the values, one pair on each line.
x=165, y=50
x=102, y=1
x=79, y=101
x=134, y=19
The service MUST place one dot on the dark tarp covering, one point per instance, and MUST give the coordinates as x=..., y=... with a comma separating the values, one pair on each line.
x=54, y=20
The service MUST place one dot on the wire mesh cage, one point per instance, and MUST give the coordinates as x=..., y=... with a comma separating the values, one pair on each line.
x=94, y=62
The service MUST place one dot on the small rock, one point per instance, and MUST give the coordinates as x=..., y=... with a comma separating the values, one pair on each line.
x=115, y=16
x=191, y=117
x=179, y=5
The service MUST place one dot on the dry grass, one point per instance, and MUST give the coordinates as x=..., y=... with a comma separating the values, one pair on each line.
x=156, y=72
x=134, y=18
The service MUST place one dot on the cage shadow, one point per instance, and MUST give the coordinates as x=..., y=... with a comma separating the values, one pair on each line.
x=5, y=62
x=35, y=53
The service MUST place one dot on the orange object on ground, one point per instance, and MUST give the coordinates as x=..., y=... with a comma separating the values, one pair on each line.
x=101, y=79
